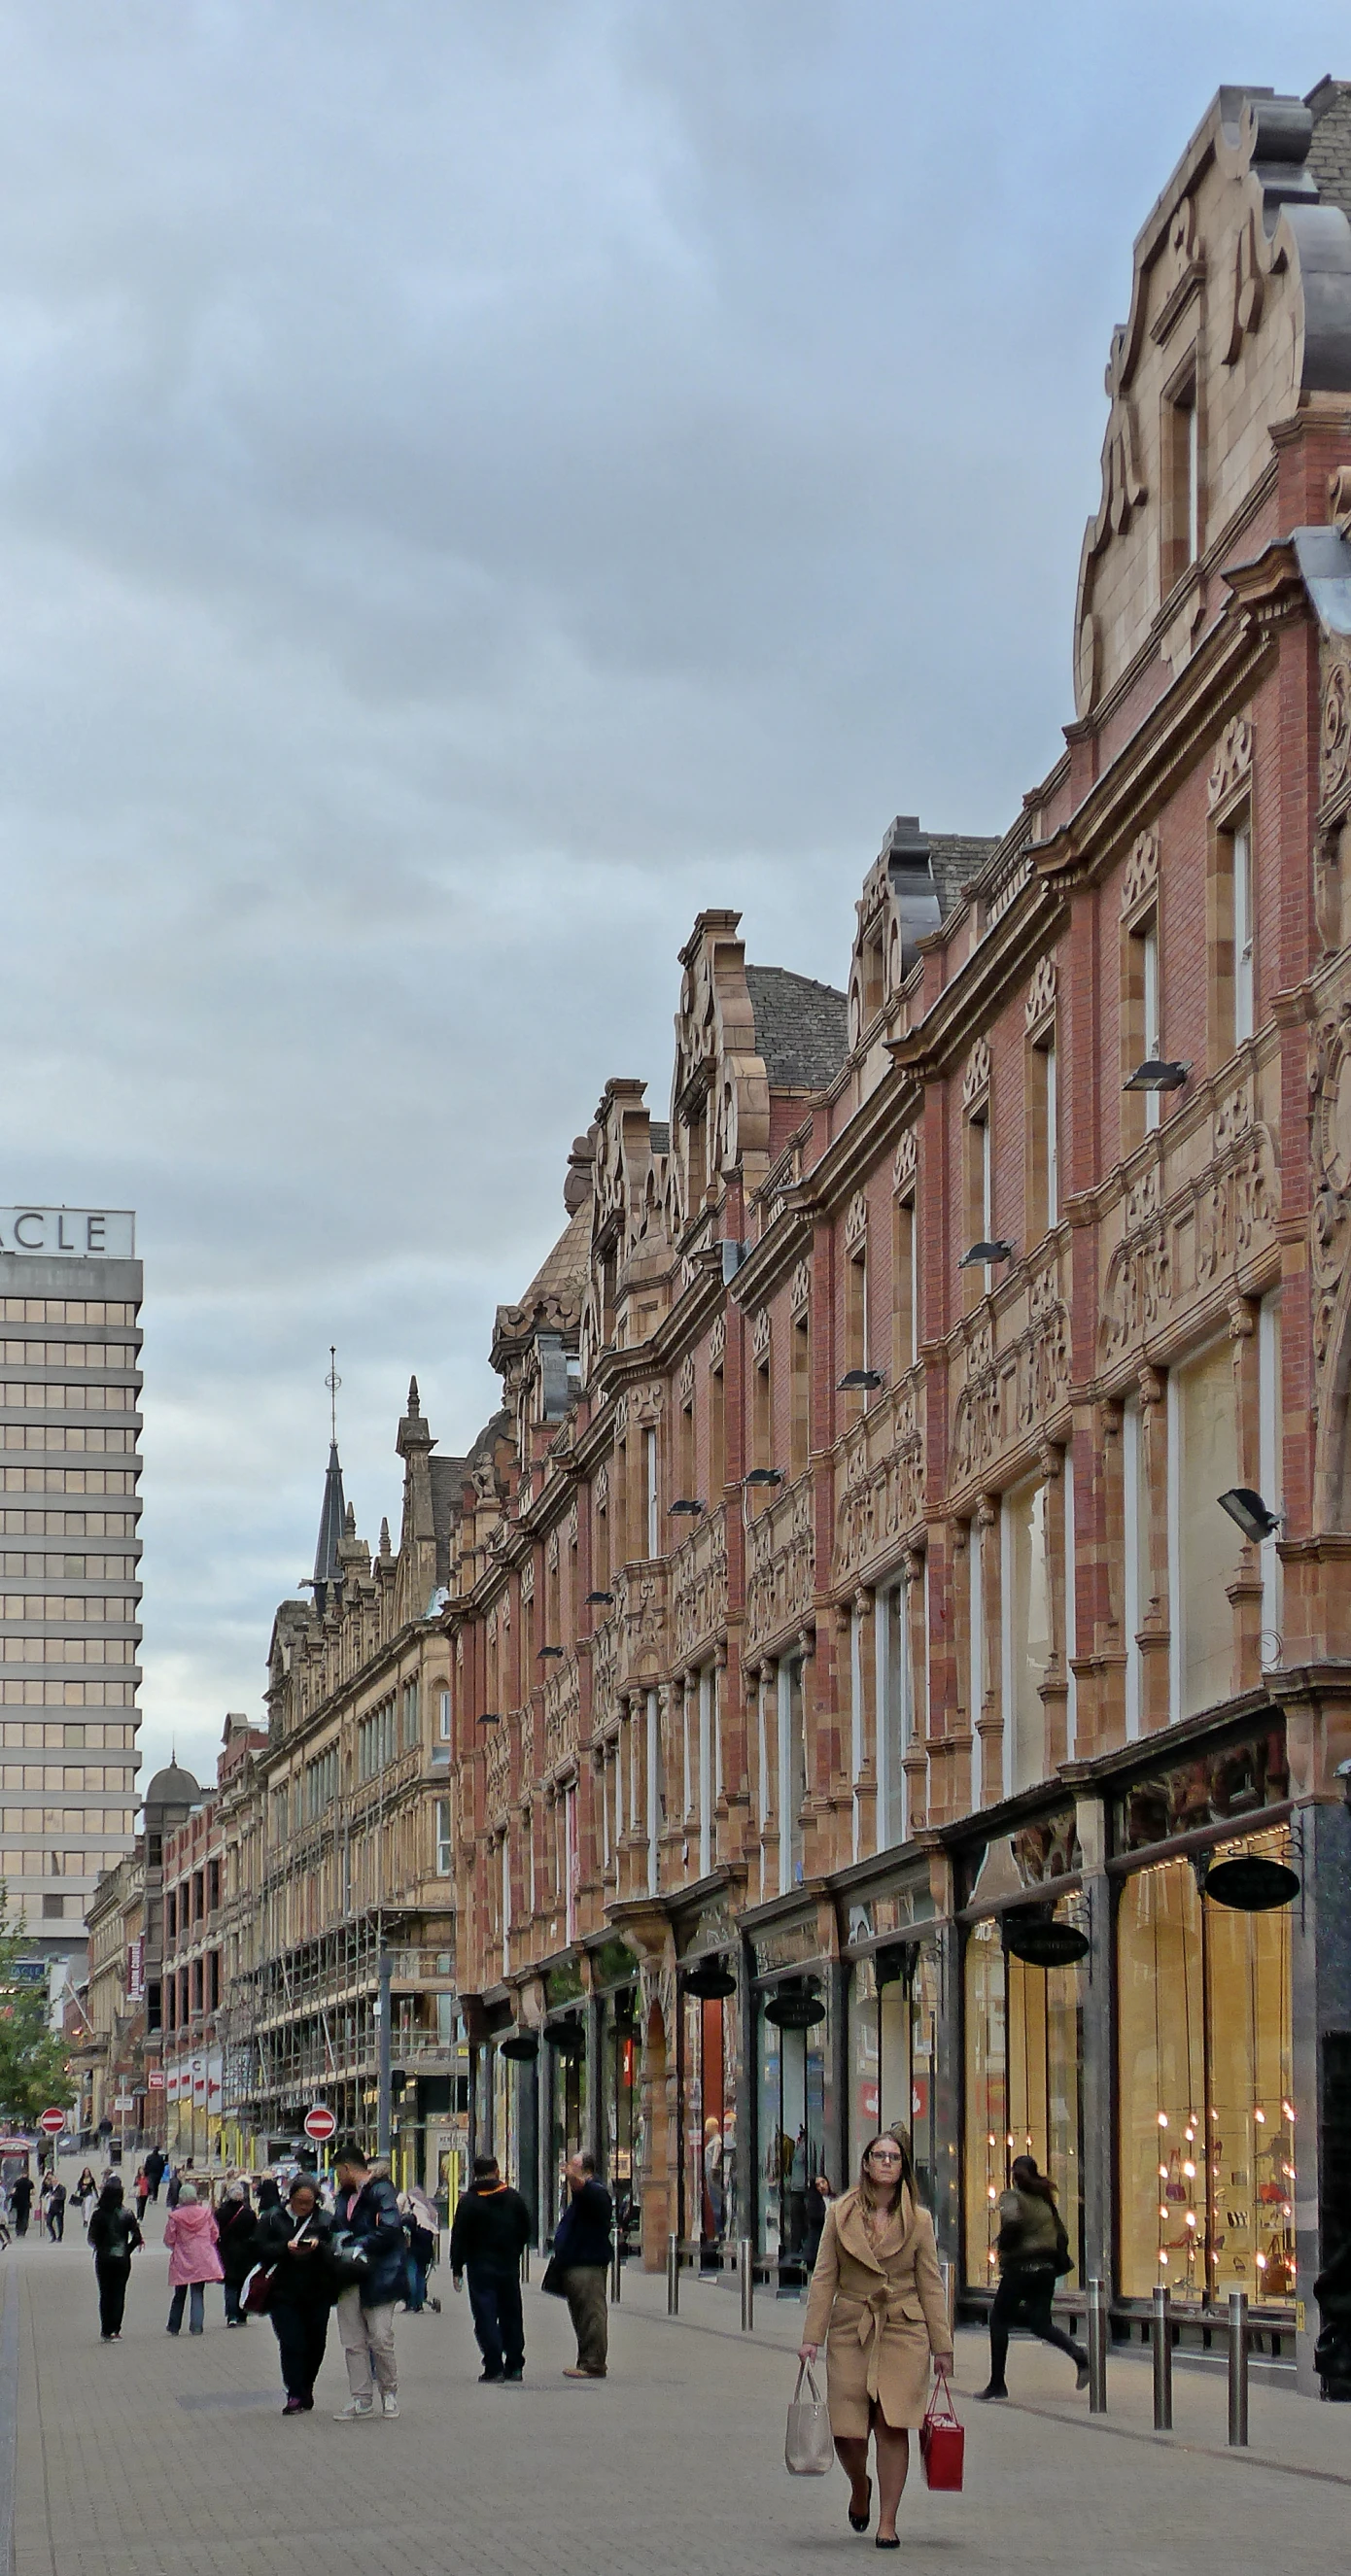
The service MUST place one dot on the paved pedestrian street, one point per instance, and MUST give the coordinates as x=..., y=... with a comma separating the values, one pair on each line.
x=158, y=2458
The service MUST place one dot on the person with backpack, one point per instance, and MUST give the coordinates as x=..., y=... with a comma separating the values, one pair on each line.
x=1033, y=2250
x=115, y=2236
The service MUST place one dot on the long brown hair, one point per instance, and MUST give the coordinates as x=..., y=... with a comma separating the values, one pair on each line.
x=869, y=2192
x=1024, y=2176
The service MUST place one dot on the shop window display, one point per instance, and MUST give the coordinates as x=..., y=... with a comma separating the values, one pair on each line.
x=1207, y=2128
x=624, y=2119
x=1024, y=2087
x=567, y=2107
x=794, y=2109
x=708, y=2081
x=892, y=2026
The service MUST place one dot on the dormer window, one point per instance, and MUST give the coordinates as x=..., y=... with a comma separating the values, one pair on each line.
x=1182, y=528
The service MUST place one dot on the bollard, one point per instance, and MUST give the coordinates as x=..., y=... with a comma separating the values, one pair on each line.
x=1163, y=2362
x=673, y=2276
x=1238, y=2370
x=746, y=2267
x=1097, y=2348
x=525, y=2263
x=616, y=2273
x=946, y=2275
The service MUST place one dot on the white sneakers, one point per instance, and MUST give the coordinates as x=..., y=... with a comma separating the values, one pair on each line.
x=357, y=2408
x=389, y=2400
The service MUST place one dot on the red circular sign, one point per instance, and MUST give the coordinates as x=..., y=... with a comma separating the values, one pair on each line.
x=52, y=2122
x=320, y=2122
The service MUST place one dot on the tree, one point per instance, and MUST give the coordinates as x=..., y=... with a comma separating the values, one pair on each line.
x=32, y=2057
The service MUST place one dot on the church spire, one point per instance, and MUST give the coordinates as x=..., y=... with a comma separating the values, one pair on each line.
x=332, y=1519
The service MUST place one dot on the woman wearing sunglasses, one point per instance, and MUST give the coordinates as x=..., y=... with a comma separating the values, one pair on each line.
x=876, y=2302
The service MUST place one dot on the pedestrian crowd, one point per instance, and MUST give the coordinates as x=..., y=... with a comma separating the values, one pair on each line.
x=353, y=2250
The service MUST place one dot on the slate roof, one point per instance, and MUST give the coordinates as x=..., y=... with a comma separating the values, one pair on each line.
x=660, y=1133
x=955, y=858
x=801, y=1028
x=565, y=1269
x=1330, y=151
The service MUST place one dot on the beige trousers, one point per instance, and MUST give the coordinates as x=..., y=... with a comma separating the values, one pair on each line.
x=367, y=2338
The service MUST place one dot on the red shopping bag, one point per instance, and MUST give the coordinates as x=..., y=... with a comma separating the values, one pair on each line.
x=942, y=2441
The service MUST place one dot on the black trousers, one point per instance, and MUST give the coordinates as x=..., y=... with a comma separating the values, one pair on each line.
x=1023, y=2298
x=112, y=2279
x=495, y=2298
x=302, y=2334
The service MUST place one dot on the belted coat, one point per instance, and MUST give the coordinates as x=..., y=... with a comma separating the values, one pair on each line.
x=880, y=2312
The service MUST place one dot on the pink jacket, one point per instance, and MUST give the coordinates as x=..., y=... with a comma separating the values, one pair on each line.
x=190, y=2235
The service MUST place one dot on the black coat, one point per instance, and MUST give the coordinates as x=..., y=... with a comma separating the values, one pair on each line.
x=372, y=2216
x=114, y=2232
x=301, y=2280
x=491, y=2229
x=582, y=2236
x=236, y=2230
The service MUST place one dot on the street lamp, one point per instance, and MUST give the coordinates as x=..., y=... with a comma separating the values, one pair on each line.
x=1247, y=1509
x=687, y=1506
x=986, y=1251
x=1157, y=1073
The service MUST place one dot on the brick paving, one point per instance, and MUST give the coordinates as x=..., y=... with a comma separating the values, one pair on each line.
x=147, y=2458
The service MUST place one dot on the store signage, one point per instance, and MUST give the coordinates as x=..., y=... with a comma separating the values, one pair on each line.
x=77, y=1234
x=792, y=2009
x=136, y=1970
x=28, y=1972
x=11, y=2144
x=154, y=2079
x=1044, y=1945
x=125, y=2102
x=1251, y=1884
x=521, y=2045
x=710, y=1980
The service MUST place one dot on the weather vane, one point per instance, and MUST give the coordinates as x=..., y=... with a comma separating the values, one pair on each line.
x=333, y=1382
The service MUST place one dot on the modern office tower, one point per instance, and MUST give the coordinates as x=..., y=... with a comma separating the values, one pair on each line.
x=70, y=1299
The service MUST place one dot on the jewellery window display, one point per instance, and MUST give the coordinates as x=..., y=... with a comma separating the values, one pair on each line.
x=1024, y=2088
x=892, y=2025
x=709, y=2180
x=623, y=2117
x=566, y=2046
x=794, y=2116
x=1207, y=2123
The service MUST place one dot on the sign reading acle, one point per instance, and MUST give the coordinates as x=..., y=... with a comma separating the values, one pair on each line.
x=82, y=1233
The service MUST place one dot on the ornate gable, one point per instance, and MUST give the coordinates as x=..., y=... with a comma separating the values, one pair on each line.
x=720, y=1089
x=1240, y=310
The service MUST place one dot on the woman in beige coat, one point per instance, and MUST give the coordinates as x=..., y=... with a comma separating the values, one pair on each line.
x=876, y=2302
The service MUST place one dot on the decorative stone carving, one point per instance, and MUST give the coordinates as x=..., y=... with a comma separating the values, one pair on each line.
x=551, y=1551
x=976, y=1078
x=760, y=1333
x=621, y=1417
x=685, y=1382
x=906, y=1163
x=881, y=1485
x=1141, y=875
x=528, y=1579
x=856, y=1218
x=1224, y=1211
x=717, y=1341
x=1334, y=749
x=601, y=1486
x=649, y=1402
x=699, y=1587
x=1330, y=1100
x=781, y=1564
x=1233, y=762
x=800, y=1292
x=1040, y=1001
x=1007, y=1393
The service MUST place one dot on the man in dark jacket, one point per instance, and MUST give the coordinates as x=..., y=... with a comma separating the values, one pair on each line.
x=582, y=2253
x=21, y=2202
x=367, y=2212
x=154, y=2170
x=490, y=2231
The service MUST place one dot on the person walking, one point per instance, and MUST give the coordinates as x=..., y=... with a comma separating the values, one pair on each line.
x=174, y=2187
x=819, y=2199
x=56, y=2213
x=237, y=2236
x=367, y=2212
x=297, y=2240
x=141, y=2188
x=154, y=2170
x=115, y=2236
x=876, y=2301
x=84, y=2195
x=21, y=2202
x=1033, y=2251
x=194, y=2258
x=489, y=2234
x=419, y=2227
x=583, y=2252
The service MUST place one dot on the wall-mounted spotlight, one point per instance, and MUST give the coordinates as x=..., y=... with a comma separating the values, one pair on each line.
x=983, y=1253
x=860, y=1382
x=687, y=1506
x=1254, y=1517
x=1157, y=1073
x=490, y=1717
x=764, y=1476
x=595, y=1599
x=543, y=1652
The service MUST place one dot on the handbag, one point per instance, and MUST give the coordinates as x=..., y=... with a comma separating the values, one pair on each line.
x=255, y=2298
x=348, y=2260
x=942, y=2442
x=808, y=2448
x=551, y=2280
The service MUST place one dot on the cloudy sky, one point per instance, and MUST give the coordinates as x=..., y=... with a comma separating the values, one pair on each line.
x=480, y=479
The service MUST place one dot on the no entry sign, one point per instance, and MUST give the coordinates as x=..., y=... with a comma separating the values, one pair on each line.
x=52, y=2122
x=320, y=2122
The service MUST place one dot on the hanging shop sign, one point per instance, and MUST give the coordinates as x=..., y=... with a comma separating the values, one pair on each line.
x=710, y=1981
x=568, y=2037
x=520, y=2045
x=794, y=2008
x=1040, y=1942
x=1250, y=1884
